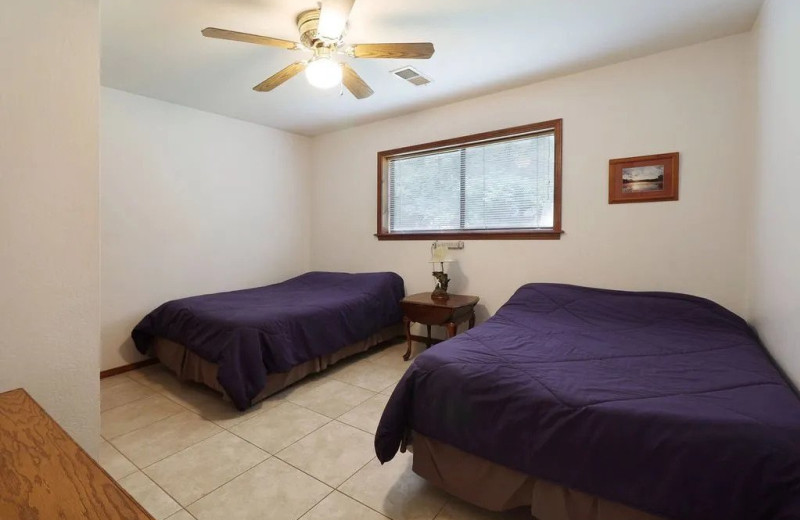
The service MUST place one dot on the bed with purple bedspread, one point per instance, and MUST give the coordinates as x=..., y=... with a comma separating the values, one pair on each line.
x=253, y=332
x=664, y=402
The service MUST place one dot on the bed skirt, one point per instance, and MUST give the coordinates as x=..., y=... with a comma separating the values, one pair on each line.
x=498, y=488
x=188, y=366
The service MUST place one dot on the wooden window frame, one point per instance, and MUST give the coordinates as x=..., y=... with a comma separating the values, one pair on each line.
x=553, y=233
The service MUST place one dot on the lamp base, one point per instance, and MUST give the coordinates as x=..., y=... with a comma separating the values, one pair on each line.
x=439, y=295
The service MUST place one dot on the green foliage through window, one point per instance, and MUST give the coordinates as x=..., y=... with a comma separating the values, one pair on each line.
x=507, y=184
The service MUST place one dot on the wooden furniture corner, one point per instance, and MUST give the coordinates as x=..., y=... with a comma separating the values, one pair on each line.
x=44, y=474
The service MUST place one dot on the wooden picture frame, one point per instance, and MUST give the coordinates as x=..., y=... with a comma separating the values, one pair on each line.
x=647, y=178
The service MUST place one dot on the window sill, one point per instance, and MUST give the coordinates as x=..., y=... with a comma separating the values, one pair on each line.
x=518, y=234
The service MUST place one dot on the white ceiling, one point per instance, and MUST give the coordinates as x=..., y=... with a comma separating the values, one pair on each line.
x=154, y=48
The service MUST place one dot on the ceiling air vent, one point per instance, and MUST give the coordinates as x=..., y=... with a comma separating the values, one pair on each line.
x=412, y=75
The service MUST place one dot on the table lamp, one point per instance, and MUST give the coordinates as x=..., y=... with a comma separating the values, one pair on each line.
x=438, y=260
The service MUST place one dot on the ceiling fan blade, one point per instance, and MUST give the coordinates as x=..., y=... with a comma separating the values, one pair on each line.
x=357, y=86
x=281, y=76
x=421, y=51
x=223, y=34
x=333, y=18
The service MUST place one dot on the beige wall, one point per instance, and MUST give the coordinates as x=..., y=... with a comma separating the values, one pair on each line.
x=49, y=230
x=694, y=100
x=775, y=274
x=192, y=203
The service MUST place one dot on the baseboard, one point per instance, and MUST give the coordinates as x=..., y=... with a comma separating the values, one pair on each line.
x=127, y=368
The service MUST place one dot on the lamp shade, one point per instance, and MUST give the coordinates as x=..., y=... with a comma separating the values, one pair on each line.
x=439, y=254
x=324, y=73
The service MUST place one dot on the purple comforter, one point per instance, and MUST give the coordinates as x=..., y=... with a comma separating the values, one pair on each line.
x=253, y=332
x=661, y=401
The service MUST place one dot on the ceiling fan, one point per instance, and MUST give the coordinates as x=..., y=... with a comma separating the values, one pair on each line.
x=322, y=32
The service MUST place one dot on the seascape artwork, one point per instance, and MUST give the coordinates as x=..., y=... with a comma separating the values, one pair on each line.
x=643, y=178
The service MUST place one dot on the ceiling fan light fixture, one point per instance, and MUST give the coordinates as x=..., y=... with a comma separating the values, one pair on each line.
x=332, y=26
x=324, y=73
x=322, y=33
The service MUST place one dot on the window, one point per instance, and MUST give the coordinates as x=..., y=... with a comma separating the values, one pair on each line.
x=502, y=184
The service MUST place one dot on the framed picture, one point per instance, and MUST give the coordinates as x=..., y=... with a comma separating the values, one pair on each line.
x=643, y=179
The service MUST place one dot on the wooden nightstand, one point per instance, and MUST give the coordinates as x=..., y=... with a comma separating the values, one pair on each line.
x=420, y=308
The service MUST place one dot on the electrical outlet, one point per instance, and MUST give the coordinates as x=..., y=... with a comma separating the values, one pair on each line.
x=453, y=245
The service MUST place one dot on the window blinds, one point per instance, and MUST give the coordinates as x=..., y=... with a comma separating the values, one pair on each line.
x=506, y=184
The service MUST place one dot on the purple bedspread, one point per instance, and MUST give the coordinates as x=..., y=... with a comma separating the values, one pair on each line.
x=661, y=401
x=253, y=332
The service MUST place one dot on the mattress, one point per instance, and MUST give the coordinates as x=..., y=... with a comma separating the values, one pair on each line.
x=663, y=402
x=254, y=332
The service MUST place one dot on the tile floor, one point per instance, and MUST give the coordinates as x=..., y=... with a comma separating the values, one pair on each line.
x=305, y=453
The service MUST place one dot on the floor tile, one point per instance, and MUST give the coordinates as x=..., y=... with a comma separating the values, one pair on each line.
x=185, y=393
x=332, y=453
x=371, y=376
x=456, y=509
x=196, y=397
x=393, y=342
x=163, y=438
x=157, y=377
x=330, y=397
x=211, y=405
x=273, y=490
x=192, y=395
x=122, y=393
x=135, y=415
x=366, y=415
x=337, y=506
x=278, y=427
x=392, y=356
x=196, y=471
x=360, y=359
x=149, y=495
x=181, y=515
x=305, y=384
x=394, y=490
x=114, y=462
x=108, y=382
